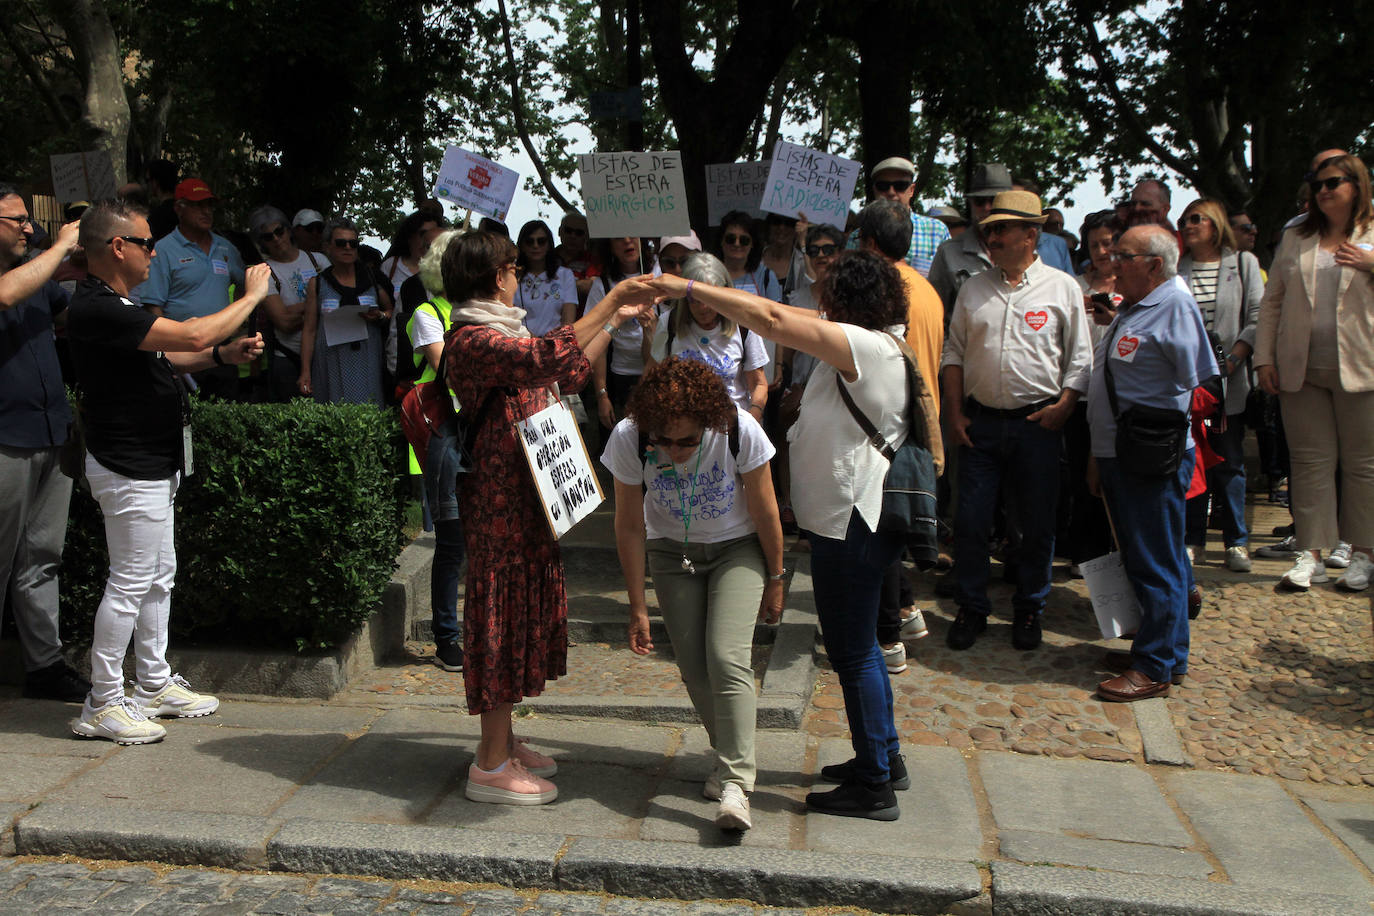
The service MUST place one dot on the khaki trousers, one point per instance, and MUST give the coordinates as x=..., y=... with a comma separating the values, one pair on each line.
x=1326, y=426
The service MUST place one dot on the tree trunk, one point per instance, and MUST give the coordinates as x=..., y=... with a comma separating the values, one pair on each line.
x=105, y=106
x=885, y=81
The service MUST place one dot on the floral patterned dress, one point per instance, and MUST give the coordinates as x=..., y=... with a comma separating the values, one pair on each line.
x=515, y=613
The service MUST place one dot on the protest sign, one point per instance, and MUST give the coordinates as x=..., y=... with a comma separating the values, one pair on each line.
x=568, y=488
x=735, y=186
x=805, y=181
x=1113, y=598
x=82, y=176
x=634, y=194
x=474, y=182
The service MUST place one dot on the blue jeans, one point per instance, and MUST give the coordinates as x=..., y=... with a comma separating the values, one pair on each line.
x=847, y=579
x=442, y=462
x=1225, y=486
x=1026, y=454
x=1149, y=517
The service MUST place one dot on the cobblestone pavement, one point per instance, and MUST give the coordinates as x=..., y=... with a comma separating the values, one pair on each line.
x=31, y=885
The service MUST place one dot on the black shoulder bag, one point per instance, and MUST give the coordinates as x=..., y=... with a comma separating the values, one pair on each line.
x=1149, y=440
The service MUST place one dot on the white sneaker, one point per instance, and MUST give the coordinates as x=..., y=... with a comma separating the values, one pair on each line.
x=1340, y=557
x=1356, y=578
x=733, y=813
x=1237, y=559
x=914, y=625
x=1306, y=572
x=895, y=658
x=122, y=722
x=176, y=699
x=713, y=788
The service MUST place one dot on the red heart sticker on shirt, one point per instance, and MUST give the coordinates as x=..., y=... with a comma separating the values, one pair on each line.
x=1126, y=345
x=1037, y=320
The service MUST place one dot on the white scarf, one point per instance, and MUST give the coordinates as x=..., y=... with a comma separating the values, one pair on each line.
x=507, y=319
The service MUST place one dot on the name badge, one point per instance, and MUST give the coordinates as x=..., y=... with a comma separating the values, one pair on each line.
x=367, y=301
x=1126, y=347
x=221, y=268
x=329, y=305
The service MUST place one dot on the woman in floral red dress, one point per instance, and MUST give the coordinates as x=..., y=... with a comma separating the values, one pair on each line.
x=515, y=613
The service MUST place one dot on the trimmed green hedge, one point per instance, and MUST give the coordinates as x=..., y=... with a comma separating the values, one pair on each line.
x=286, y=535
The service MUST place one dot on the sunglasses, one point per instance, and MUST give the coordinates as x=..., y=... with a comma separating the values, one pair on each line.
x=664, y=442
x=271, y=234
x=1193, y=219
x=733, y=239
x=145, y=244
x=670, y=263
x=312, y=227
x=1130, y=255
x=898, y=186
x=516, y=268
x=572, y=231
x=1329, y=184
x=821, y=251
x=1245, y=227
x=1003, y=226
x=346, y=243
x=542, y=240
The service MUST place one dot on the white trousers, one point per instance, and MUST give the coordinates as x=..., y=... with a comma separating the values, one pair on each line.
x=137, y=603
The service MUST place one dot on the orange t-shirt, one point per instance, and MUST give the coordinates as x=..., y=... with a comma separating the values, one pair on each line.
x=925, y=326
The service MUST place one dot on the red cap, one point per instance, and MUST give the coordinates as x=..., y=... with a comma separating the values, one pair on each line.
x=194, y=189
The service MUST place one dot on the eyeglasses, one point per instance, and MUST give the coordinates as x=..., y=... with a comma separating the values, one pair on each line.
x=21, y=221
x=1245, y=227
x=271, y=234
x=664, y=442
x=671, y=263
x=571, y=230
x=733, y=239
x=145, y=244
x=1329, y=184
x=514, y=268
x=821, y=251
x=1131, y=255
x=898, y=186
x=541, y=241
x=1193, y=219
x=346, y=243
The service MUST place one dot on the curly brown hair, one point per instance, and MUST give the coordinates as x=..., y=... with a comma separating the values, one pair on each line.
x=864, y=289
x=677, y=388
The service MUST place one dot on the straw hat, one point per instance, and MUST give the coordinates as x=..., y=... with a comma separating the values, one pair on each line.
x=1021, y=206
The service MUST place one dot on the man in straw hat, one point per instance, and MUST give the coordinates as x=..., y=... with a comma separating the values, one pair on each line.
x=1016, y=359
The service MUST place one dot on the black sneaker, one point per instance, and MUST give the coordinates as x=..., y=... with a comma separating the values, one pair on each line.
x=1025, y=631
x=965, y=629
x=897, y=775
x=449, y=656
x=56, y=682
x=856, y=799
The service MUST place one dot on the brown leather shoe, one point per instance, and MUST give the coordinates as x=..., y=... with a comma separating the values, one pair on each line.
x=1130, y=687
x=1194, y=603
x=1121, y=662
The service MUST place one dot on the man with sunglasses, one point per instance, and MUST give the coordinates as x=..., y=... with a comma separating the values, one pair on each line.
x=577, y=255
x=34, y=419
x=136, y=416
x=193, y=273
x=895, y=179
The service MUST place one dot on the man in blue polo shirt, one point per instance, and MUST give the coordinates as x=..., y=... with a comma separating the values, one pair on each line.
x=191, y=275
x=33, y=426
x=1157, y=353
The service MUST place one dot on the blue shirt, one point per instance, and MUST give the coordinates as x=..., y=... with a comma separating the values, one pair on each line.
x=33, y=401
x=1054, y=251
x=927, y=234
x=1158, y=352
x=185, y=282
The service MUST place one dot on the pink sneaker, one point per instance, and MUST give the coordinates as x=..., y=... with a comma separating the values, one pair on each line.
x=513, y=785
x=537, y=763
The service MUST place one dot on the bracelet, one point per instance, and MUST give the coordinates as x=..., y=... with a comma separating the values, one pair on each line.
x=688, y=294
x=609, y=328
x=779, y=577
x=214, y=354
x=601, y=391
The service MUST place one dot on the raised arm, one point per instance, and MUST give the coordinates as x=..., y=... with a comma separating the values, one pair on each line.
x=23, y=281
x=200, y=334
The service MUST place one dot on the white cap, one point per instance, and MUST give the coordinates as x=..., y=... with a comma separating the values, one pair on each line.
x=688, y=241
x=306, y=217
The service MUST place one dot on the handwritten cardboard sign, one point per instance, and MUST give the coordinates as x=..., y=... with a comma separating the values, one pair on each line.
x=474, y=182
x=82, y=176
x=1114, y=601
x=562, y=469
x=735, y=186
x=634, y=194
x=805, y=181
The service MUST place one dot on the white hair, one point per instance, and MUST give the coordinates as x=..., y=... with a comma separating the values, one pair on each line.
x=1160, y=243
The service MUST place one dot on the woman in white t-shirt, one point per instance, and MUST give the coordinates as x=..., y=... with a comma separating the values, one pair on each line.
x=616, y=372
x=837, y=493
x=548, y=291
x=697, y=331
x=692, y=484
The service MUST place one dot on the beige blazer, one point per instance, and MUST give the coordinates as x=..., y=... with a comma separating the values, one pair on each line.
x=1285, y=319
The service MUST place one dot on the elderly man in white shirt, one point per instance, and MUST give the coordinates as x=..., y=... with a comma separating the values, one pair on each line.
x=1017, y=357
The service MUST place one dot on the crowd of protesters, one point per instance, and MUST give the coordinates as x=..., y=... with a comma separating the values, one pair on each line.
x=1094, y=392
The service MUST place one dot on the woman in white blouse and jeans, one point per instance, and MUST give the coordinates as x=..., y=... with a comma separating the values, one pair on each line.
x=837, y=492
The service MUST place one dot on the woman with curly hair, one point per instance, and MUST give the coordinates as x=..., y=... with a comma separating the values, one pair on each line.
x=692, y=477
x=837, y=492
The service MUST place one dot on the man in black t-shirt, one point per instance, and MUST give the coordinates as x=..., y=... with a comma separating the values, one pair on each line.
x=33, y=425
x=137, y=422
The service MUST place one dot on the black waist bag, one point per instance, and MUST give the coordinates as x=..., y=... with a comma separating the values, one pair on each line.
x=1150, y=440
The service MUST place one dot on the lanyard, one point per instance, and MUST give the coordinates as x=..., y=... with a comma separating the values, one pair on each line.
x=683, y=505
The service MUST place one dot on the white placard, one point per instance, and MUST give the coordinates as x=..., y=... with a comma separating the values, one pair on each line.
x=805, y=181
x=82, y=176
x=735, y=186
x=634, y=194
x=1113, y=597
x=562, y=469
x=474, y=182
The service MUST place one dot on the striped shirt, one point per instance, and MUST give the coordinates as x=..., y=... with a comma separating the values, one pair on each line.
x=1202, y=282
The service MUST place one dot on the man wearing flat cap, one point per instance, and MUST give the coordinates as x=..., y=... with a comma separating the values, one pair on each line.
x=1017, y=357
x=895, y=179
